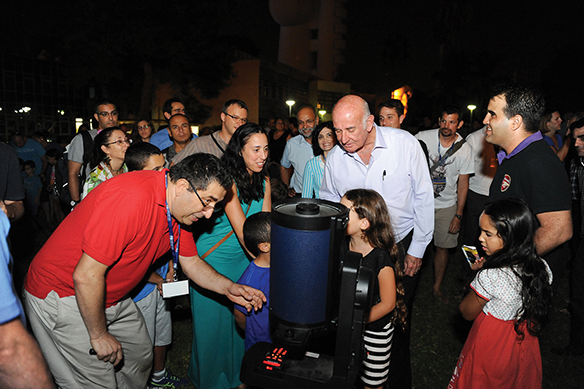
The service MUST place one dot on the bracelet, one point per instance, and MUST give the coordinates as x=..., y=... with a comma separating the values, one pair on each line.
x=458, y=216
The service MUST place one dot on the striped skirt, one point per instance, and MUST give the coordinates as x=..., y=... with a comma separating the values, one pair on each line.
x=375, y=367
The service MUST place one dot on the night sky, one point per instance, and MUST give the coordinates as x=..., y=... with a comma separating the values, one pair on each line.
x=444, y=49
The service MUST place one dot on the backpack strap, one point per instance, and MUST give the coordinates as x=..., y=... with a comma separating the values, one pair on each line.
x=448, y=154
x=87, y=145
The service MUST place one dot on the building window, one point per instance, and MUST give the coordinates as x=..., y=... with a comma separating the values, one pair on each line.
x=313, y=60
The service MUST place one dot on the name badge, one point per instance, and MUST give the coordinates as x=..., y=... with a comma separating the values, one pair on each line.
x=173, y=289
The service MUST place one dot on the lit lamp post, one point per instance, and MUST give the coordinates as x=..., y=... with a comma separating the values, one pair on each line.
x=322, y=112
x=290, y=104
x=471, y=107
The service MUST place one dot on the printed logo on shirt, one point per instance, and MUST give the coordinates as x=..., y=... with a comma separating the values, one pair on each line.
x=506, y=183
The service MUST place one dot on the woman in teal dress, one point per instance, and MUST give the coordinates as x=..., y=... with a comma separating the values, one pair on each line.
x=218, y=347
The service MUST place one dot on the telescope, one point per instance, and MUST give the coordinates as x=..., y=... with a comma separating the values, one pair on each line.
x=319, y=300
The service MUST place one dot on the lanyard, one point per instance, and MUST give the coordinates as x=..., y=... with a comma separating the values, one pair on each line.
x=446, y=153
x=174, y=247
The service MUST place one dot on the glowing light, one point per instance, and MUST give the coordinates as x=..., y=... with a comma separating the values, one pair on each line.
x=23, y=110
x=290, y=104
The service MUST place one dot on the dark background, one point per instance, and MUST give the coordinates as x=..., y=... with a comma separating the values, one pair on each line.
x=446, y=50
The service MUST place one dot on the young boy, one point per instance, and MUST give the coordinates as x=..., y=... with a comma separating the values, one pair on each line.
x=256, y=235
x=144, y=156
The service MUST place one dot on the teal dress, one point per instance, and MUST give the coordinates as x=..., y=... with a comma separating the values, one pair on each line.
x=218, y=345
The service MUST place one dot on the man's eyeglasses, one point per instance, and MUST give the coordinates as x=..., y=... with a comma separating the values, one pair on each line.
x=106, y=114
x=206, y=205
x=236, y=118
x=119, y=142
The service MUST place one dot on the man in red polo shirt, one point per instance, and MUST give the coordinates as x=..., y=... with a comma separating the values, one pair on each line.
x=77, y=286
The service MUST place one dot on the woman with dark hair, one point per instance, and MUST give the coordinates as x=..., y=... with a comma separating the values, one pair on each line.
x=142, y=131
x=106, y=157
x=218, y=346
x=323, y=141
x=509, y=300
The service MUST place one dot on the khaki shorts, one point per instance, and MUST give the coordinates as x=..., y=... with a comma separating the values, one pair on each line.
x=442, y=219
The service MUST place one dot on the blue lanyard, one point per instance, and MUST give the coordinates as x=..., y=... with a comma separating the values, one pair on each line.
x=440, y=155
x=174, y=247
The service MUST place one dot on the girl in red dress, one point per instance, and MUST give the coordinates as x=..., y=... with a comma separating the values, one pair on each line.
x=509, y=299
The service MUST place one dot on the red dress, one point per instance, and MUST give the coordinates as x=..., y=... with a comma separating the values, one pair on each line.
x=494, y=357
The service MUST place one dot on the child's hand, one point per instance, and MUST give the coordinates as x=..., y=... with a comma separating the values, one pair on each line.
x=478, y=263
x=170, y=274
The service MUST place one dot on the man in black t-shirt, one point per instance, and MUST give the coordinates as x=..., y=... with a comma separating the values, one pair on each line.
x=530, y=170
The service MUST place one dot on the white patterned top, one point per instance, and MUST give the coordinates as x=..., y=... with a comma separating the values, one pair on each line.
x=502, y=290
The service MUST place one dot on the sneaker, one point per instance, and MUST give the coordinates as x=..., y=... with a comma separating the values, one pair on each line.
x=169, y=381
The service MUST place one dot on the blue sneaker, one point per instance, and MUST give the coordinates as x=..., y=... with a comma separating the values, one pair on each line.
x=169, y=381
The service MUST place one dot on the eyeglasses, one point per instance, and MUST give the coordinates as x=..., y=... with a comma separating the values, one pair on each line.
x=106, y=114
x=236, y=118
x=143, y=127
x=206, y=206
x=120, y=142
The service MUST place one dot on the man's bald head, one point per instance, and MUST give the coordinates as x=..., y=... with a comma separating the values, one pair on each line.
x=353, y=122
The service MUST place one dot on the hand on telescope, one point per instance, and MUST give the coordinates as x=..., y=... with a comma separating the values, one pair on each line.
x=246, y=296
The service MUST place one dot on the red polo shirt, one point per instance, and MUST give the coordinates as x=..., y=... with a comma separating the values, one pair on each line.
x=121, y=223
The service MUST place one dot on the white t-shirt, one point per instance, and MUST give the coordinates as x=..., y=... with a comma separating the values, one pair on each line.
x=479, y=182
x=445, y=176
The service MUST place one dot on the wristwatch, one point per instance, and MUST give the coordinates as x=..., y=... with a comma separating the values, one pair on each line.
x=458, y=216
x=73, y=203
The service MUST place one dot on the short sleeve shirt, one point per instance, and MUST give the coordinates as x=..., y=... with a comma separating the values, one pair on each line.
x=445, y=176
x=502, y=289
x=297, y=153
x=535, y=175
x=376, y=260
x=32, y=150
x=122, y=224
x=75, y=150
x=257, y=324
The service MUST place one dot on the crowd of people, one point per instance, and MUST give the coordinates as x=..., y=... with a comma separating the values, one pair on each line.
x=138, y=211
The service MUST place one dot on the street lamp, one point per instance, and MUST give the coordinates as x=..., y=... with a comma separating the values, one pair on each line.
x=471, y=108
x=321, y=113
x=290, y=104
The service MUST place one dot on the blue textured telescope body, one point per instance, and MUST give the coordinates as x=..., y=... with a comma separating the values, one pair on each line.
x=305, y=261
x=319, y=298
